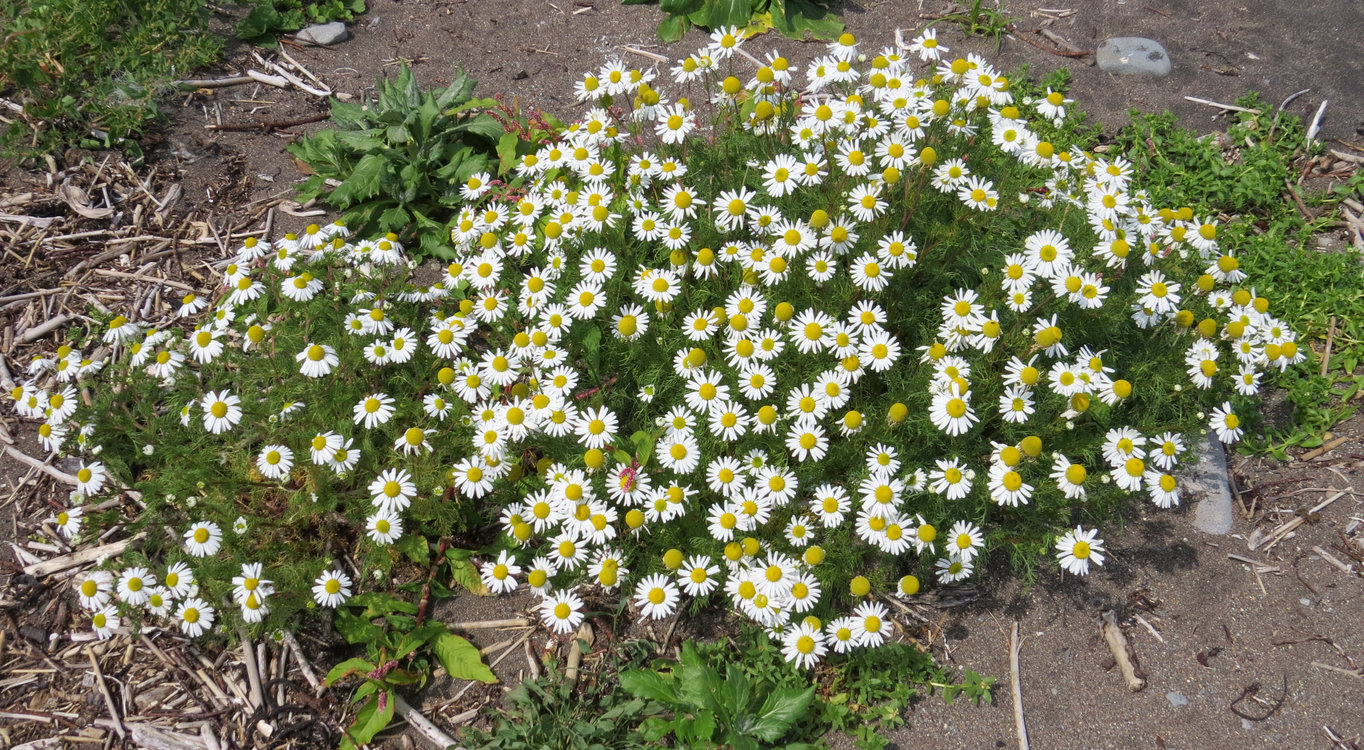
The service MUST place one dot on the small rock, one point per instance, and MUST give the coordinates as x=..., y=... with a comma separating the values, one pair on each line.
x=1133, y=56
x=1176, y=699
x=324, y=34
x=1305, y=602
x=1245, y=724
x=1208, y=482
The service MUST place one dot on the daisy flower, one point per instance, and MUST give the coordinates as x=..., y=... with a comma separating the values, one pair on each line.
x=1078, y=548
x=134, y=585
x=90, y=478
x=1164, y=489
x=562, y=611
x=1225, y=423
x=373, y=410
x=698, y=576
x=951, y=412
x=222, y=411
x=275, y=461
x=95, y=589
x=105, y=622
x=1069, y=477
x=179, y=580
x=871, y=624
x=656, y=597
x=952, y=478
x=965, y=540
x=1166, y=448
x=830, y=505
x=392, y=490
x=953, y=569
x=804, y=646
x=69, y=521
x=250, y=583
x=413, y=440
x=159, y=601
x=317, y=360
x=195, y=617
x=500, y=575
x=384, y=527
x=841, y=635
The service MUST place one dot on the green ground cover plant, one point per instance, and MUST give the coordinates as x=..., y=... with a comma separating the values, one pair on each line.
x=713, y=345
x=797, y=19
x=397, y=162
x=93, y=74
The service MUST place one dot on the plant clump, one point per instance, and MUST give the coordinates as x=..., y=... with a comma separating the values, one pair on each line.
x=788, y=348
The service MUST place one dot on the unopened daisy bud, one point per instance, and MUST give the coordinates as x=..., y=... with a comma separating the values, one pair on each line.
x=859, y=586
x=909, y=585
x=814, y=555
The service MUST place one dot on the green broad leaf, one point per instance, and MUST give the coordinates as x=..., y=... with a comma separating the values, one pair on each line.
x=701, y=687
x=507, y=151
x=649, y=685
x=347, y=668
x=458, y=92
x=699, y=17
x=736, y=691
x=356, y=630
x=795, y=17
x=729, y=13
x=262, y=20
x=703, y=725
x=672, y=29
x=681, y=7
x=371, y=720
x=418, y=637
x=396, y=219
x=482, y=124
x=782, y=709
x=465, y=573
x=377, y=604
x=461, y=659
x=654, y=728
x=362, y=183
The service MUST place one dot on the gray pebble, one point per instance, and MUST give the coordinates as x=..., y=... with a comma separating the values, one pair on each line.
x=324, y=34
x=1133, y=56
x=1176, y=699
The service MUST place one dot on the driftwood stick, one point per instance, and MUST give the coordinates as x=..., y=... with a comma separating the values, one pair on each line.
x=1015, y=682
x=213, y=83
x=419, y=722
x=104, y=690
x=252, y=668
x=1122, y=651
x=81, y=557
x=303, y=665
x=575, y=652
x=488, y=624
x=44, y=328
x=51, y=471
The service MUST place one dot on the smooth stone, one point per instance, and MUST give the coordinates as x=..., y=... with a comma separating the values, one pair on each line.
x=324, y=34
x=1176, y=699
x=1133, y=56
x=1208, y=482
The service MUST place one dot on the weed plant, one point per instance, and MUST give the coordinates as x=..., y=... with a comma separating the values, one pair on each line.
x=786, y=347
x=90, y=73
